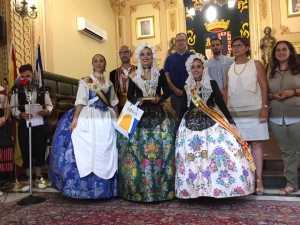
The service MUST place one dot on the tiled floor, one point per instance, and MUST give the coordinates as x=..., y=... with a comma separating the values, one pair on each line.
x=270, y=194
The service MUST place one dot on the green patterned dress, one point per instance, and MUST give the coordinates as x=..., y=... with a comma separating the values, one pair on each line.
x=147, y=159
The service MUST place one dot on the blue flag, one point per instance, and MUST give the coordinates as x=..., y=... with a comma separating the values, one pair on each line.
x=39, y=76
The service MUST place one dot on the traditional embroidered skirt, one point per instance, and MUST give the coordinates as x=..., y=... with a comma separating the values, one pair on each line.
x=209, y=160
x=146, y=160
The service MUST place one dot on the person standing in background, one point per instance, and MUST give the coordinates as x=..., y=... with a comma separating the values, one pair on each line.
x=218, y=64
x=119, y=77
x=176, y=74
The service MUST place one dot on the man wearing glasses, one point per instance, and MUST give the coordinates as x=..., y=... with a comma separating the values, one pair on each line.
x=176, y=74
x=218, y=64
x=119, y=77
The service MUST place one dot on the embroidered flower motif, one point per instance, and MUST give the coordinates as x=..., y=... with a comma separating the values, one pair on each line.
x=192, y=176
x=206, y=174
x=213, y=166
x=217, y=192
x=239, y=190
x=145, y=162
x=159, y=162
x=190, y=157
x=204, y=154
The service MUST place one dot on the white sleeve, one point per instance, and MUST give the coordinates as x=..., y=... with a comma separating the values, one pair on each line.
x=113, y=99
x=82, y=96
x=14, y=103
x=48, y=102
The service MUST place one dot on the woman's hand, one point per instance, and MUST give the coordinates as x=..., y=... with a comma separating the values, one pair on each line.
x=73, y=124
x=264, y=113
x=286, y=94
x=178, y=92
x=156, y=100
x=234, y=127
x=2, y=121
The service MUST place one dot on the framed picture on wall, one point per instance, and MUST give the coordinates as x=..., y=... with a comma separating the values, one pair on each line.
x=145, y=27
x=293, y=8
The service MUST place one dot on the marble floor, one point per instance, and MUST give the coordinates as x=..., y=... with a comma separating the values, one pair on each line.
x=270, y=195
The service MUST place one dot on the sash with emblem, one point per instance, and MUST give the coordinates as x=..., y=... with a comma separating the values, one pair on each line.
x=97, y=90
x=217, y=116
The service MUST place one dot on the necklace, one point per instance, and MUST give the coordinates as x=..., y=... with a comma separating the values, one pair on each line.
x=98, y=75
x=241, y=71
x=147, y=69
x=284, y=69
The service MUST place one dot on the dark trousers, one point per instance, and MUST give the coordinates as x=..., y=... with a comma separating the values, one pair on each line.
x=39, y=137
x=179, y=104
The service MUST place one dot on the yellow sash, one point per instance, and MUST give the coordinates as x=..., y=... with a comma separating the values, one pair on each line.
x=219, y=118
x=166, y=104
x=97, y=90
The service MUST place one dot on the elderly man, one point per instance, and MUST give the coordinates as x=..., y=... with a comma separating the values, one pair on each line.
x=40, y=133
x=119, y=77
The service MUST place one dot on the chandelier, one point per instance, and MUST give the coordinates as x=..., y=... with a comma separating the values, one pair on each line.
x=21, y=7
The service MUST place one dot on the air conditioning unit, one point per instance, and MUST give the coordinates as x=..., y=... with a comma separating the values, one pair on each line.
x=91, y=30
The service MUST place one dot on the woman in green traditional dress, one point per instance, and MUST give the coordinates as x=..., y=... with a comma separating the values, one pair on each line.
x=146, y=160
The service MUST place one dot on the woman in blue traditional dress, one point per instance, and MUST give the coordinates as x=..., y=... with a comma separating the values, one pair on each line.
x=84, y=156
x=211, y=158
x=146, y=160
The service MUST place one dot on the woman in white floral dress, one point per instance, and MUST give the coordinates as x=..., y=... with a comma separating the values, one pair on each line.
x=211, y=158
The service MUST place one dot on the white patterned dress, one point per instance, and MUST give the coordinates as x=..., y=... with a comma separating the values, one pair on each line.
x=209, y=159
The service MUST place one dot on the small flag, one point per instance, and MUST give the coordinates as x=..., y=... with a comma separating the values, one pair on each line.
x=14, y=128
x=39, y=76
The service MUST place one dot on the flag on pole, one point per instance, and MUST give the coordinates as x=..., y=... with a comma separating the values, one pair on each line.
x=14, y=129
x=39, y=76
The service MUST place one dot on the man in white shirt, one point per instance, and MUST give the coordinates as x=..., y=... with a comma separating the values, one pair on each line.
x=119, y=77
x=40, y=133
x=218, y=64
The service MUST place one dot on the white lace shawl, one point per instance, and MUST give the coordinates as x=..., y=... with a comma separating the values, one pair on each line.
x=206, y=89
x=148, y=87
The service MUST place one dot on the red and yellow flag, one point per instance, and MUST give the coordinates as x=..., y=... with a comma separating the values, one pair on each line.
x=14, y=130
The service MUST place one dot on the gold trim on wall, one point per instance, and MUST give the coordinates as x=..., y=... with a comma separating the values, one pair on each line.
x=156, y=5
x=158, y=47
x=3, y=48
x=120, y=26
x=171, y=4
x=263, y=9
x=133, y=8
x=285, y=29
x=173, y=21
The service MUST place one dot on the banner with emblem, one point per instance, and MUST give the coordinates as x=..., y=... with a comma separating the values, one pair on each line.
x=231, y=20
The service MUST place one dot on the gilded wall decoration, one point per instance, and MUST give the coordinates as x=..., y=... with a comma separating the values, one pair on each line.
x=285, y=30
x=263, y=9
x=171, y=4
x=173, y=21
x=121, y=8
x=158, y=47
x=22, y=36
x=113, y=5
x=3, y=50
x=133, y=8
x=156, y=5
x=118, y=6
x=120, y=26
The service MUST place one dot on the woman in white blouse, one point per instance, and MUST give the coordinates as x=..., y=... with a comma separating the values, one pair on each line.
x=84, y=157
